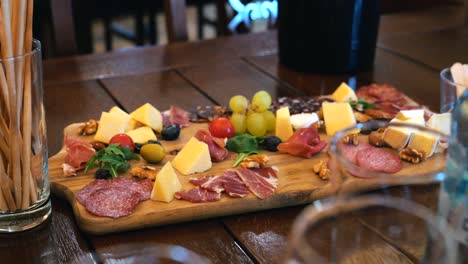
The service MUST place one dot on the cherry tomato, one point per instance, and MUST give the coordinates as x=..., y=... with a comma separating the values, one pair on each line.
x=221, y=127
x=123, y=140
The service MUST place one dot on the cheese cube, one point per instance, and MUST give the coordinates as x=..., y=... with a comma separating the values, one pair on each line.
x=424, y=141
x=344, y=93
x=166, y=185
x=440, y=122
x=397, y=137
x=303, y=120
x=110, y=124
x=409, y=114
x=283, y=128
x=337, y=116
x=132, y=124
x=194, y=157
x=413, y=121
x=148, y=115
x=142, y=135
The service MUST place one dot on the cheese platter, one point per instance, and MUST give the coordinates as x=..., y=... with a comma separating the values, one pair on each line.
x=190, y=174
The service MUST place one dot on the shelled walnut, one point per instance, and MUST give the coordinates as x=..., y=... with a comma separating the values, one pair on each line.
x=255, y=161
x=351, y=139
x=412, y=155
x=376, y=138
x=143, y=172
x=88, y=128
x=361, y=117
x=321, y=169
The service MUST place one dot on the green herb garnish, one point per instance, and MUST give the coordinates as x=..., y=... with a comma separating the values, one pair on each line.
x=113, y=158
x=243, y=143
x=361, y=104
x=242, y=156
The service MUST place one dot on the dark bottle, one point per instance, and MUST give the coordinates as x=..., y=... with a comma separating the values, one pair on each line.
x=328, y=36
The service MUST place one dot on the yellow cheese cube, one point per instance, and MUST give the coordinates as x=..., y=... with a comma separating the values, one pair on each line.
x=142, y=135
x=110, y=124
x=194, y=157
x=166, y=185
x=424, y=141
x=148, y=115
x=132, y=124
x=409, y=114
x=337, y=116
x=283, y=128
x=344, y=93
x=397, y=137
x=440, y=122
x=413, y=121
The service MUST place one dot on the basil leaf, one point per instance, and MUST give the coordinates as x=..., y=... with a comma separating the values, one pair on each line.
x=242, y=143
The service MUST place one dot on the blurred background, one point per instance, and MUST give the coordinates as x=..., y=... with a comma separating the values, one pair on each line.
x=93, y=26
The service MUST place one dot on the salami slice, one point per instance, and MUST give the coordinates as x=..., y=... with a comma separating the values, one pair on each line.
x=143, y=187
x=349, y=152
x=381, y=160
x=112, y=202
x=84, y=193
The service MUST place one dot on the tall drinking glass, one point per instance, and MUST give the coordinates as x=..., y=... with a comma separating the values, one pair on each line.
x=449, y=91
x=24, y=182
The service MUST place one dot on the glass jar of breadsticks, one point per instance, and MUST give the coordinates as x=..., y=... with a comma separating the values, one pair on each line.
x=24, y=184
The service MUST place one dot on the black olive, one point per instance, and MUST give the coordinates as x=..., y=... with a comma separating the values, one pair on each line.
x=137, y=148
x=154, y=142
x=270, y=143
x=103, y=174
x=170, y=132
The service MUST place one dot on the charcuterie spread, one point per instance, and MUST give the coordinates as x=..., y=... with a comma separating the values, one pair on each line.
x=151, y=167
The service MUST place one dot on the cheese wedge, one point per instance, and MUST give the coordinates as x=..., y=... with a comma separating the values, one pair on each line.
x=132, y=124
x=110, y=124
x=303, y=120
x=398, y=137
x=440, y=122
x=194, y=157
x=142, y=135
x=344, y=93
x=337, y=116
x=409, y=114
x=424, y=141
x=149, y=116
x=283, y=128
x=166, y=185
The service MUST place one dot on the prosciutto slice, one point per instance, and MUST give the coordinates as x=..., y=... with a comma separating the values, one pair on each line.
x=258, y=185
x=305, y=142
x=233, y=185
x=78, y=153
x=211, y=183
x=198, y=195
x=215, y=145
x=176, y=116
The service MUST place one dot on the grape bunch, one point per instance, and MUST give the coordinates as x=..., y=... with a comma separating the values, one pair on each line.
x=254, y=118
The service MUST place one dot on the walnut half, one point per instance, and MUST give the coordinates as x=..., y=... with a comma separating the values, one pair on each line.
x=376, y=138
x=255, y=161
x=321, y=169
x=88, y=128
x=412, y=155
x=351, y=139
x=143, y=172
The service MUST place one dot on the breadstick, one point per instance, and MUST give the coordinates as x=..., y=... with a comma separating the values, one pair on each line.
x=5, y=186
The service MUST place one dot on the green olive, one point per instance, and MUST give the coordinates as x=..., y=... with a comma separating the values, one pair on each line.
x=152, y=153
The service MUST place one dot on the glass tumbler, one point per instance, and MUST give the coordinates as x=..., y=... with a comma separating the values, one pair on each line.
x=449, y=91
x=24, y=182
x=369, y=229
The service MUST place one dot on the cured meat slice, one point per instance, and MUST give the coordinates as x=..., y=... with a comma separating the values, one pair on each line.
x=258, y=185
x=350, y=152
x=267, y=172
x=112, y=202
x=378, y=159
x=214, y=184
x=233, y=185
x=78, y=153
x=198, y=195
x=84, y=193
x=305, y=142
x=215, y=145
x=179, y=116
x=143, y=187
x=200, y=181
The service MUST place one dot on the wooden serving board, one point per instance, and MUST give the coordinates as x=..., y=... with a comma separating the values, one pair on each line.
x=297, y=184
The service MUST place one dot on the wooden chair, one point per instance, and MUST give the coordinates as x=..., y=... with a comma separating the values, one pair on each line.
x=63, y=24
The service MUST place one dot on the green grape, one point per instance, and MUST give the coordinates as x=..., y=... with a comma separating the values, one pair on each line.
x=238, y=103
x=250, y=110
x=256, y=124
x=261, y=101
x=270, y=120
x=238, y=121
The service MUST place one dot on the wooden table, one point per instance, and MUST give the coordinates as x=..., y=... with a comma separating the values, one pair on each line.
x=210, y=72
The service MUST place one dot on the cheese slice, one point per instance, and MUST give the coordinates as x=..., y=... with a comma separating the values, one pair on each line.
x=132, y=124
x=110, y=124
x=166, y=185
x=194, y=157
x=149, y=116
x=337, y=116
x=344, y=93
x=440, y=122
x=303, y=120
x=424, y=141
x=283, y=128
x=142, y=135
x=409, y=114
